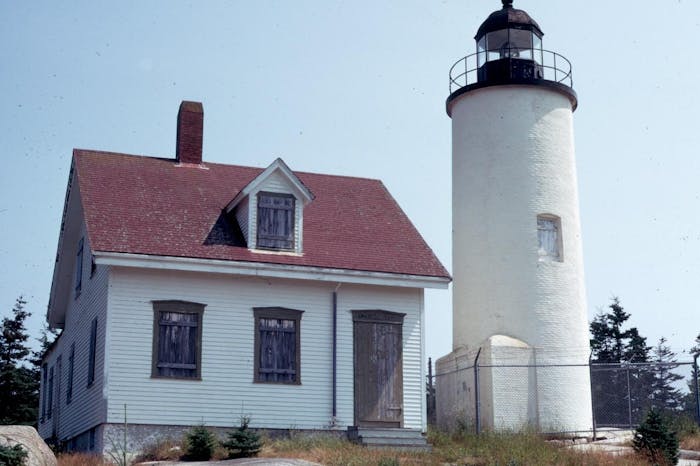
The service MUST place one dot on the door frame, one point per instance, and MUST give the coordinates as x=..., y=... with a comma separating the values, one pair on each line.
x=377, y=316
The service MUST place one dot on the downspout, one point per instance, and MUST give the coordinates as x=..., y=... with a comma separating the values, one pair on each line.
x=334, y=415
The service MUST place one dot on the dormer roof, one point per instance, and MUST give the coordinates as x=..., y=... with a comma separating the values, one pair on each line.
x=296, y=186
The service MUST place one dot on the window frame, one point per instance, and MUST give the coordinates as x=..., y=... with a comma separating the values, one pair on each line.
x=49, y=410
x=92, y=354
x=546, y=257
x=71, y=368
x=45, y=390
x=181, y=307
x=293, y=225
x=279, y=313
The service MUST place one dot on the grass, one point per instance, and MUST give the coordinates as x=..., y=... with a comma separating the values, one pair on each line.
x=462, y=449
x=691, y=442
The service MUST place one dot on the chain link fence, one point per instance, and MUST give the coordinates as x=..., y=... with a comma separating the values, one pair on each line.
x=621, y=393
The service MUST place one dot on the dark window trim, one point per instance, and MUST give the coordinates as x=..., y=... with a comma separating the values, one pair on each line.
x=378, y=316
x=294, y=220
x=79, y=267
x=277, y=313
x=49, y=411
x=44, y=394
x=92, y=355
x=71, y=366
x=185, y=307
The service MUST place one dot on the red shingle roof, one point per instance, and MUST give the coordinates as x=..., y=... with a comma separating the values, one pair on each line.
x=146, y=205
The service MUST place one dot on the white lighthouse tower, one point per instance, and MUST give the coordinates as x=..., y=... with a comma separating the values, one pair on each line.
x=519, y=311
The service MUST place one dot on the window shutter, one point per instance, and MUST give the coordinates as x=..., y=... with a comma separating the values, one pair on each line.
x=275, y=221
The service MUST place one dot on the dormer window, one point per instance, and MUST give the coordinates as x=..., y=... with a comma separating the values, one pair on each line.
x=270, y=210
x=275, y=221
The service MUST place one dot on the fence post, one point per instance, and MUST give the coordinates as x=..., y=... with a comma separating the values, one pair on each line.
x=477, y=407
x=697, y=392
x=590, y=376
x=629, y=399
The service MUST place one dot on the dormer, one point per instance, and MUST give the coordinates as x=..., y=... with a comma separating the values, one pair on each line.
x=270, y=210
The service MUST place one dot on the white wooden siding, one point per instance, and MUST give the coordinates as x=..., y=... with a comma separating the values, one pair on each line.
x=88, y=406
x=276, y=183
x=242, y=218
x=226, y=389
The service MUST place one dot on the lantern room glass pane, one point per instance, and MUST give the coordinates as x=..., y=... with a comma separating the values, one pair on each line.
x=497, y=44
x=521, y=44
x=481, y=52
x=537, y=48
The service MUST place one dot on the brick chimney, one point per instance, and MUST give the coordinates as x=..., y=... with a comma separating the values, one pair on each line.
x=190, y=123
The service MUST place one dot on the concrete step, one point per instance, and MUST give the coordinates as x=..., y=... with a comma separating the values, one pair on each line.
x=400, y=439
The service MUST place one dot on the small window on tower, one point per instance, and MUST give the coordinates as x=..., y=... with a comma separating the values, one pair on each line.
x=549, y=238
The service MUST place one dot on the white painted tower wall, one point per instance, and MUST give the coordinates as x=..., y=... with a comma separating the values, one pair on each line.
x=512, y=160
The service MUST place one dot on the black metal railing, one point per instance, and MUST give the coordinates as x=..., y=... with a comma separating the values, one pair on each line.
x=554, y=67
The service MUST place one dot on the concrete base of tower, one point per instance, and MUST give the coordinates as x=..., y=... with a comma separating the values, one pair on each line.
x=519, y=387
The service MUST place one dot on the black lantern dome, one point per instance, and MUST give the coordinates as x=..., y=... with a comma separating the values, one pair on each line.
x=509, y=51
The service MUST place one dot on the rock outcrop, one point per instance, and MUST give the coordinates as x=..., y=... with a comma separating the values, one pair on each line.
x=38, y=453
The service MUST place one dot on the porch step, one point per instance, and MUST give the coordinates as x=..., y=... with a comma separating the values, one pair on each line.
x=393, y=438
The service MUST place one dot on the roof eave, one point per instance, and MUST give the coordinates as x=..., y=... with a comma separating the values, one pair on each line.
x=271, y=270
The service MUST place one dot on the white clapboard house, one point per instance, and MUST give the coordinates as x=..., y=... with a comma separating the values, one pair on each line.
x=193, y=292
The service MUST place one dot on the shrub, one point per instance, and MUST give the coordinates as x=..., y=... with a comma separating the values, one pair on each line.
x=242, y=442
x=200, y=444
x=12, y=456
x=160, y=450
x=655, y=440
x=80, y=459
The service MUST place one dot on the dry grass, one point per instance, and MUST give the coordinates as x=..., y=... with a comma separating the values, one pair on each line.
x=523, y=449
x=80, y=459
x=691, y=442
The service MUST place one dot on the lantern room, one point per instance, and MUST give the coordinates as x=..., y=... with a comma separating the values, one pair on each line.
x=509, y=45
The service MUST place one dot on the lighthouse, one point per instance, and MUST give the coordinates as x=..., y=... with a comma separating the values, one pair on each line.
x=520, y=343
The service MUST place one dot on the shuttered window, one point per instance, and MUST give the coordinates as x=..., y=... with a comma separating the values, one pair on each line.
x=93, y=353
x=275, y=221
x=177, y=339
x=277, y=345
x=71, y=365
x=49, y=403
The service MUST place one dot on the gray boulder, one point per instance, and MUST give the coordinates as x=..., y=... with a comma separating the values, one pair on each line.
x=38, y=453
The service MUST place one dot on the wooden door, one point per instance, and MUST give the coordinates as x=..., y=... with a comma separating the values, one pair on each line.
x=378, y=360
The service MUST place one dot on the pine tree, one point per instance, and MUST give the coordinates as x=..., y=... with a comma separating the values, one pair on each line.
x=611, y=343
x=655, y=440
x=690, y=399
x=242, y=442
x=18, y=381
x=663, y=392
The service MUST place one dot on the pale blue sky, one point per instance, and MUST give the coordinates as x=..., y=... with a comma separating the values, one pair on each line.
x=358, y=88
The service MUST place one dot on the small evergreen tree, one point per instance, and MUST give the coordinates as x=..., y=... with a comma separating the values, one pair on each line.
x=655, y=440
x=200, y=444
x=18, y=381
x=242, y=442
x=12, y=456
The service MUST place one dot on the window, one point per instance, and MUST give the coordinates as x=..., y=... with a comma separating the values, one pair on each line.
x=71, y=364
x=45, y=395
x=91, y=355
x=50, y=398
x=177, y=339
x=79, y=268
x=275, y=221
x=549, y=237
x=277, y=345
